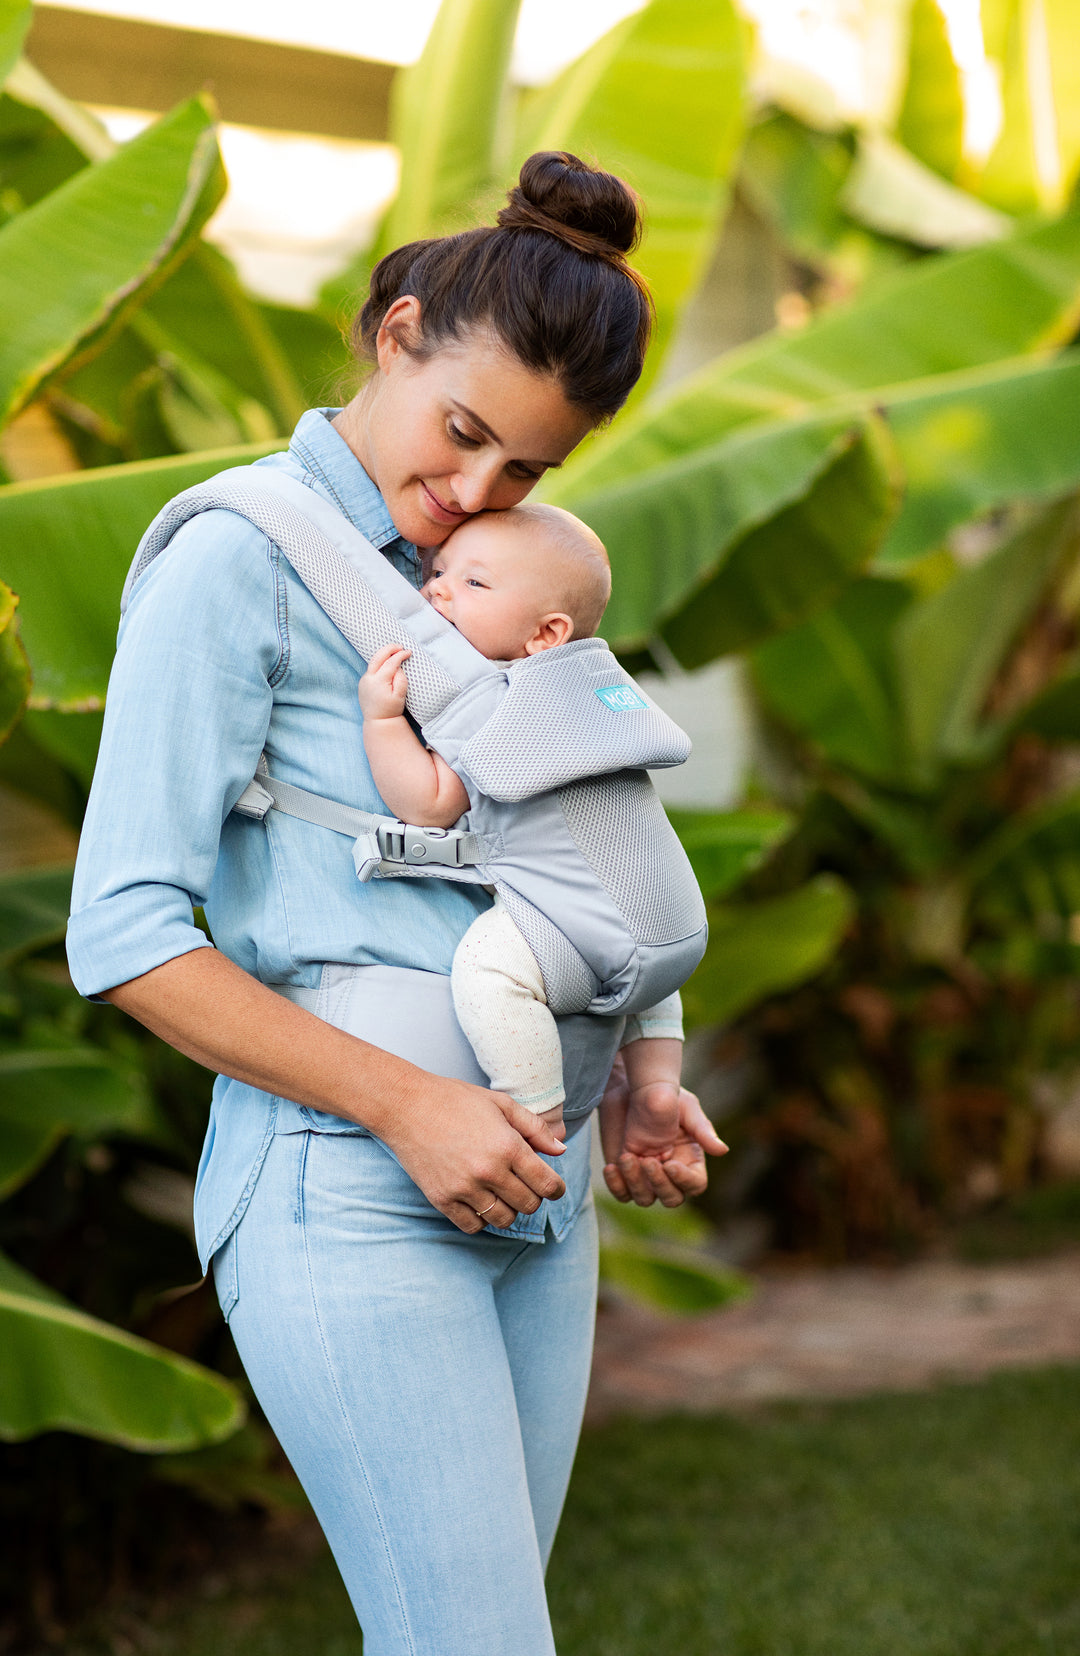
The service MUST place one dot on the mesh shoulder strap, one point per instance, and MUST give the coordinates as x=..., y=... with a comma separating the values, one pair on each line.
x=360, y=590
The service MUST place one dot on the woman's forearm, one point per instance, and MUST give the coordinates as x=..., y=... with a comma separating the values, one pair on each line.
x=461, y=1144
x=209, y=1008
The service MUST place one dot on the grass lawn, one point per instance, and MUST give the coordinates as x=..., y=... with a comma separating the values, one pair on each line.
x=940, y=1524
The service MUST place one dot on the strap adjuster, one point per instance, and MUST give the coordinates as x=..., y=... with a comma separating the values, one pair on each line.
x=402, y=842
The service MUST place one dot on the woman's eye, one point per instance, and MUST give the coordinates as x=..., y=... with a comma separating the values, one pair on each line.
x=526, y=473
x=462, y=437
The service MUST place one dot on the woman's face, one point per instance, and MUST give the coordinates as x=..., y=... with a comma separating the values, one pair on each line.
x=470, y=429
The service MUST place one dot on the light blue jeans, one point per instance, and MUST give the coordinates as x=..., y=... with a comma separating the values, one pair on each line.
x=427, y=1386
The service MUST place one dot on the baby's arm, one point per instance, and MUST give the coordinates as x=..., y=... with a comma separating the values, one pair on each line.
x=653, y=1072
x=416, y=784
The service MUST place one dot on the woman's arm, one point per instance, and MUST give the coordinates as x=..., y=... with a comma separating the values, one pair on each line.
x=414, y=781
x=461, y=1144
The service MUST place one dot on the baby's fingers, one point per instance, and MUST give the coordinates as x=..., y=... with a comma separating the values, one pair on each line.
x=396, y=653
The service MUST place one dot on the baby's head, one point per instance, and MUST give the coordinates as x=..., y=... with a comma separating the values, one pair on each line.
x=520, y=581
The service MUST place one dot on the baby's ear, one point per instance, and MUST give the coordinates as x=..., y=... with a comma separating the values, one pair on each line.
x=551, y=630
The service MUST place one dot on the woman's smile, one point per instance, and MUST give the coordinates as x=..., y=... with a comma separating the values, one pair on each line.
x=442, y=514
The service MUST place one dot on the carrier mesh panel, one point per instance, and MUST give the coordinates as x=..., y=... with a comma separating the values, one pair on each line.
x=619, y=826
x=568, y=982
x=551, y=728
x=354, y=609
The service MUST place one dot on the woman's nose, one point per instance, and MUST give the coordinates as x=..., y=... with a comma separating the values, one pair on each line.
x=473, y=488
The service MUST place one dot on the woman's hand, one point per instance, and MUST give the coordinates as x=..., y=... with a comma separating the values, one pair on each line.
x=474, y=1154
x=468, y=1149
x=644, y=1179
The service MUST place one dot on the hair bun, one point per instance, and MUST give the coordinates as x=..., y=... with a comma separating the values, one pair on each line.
x=591, y=210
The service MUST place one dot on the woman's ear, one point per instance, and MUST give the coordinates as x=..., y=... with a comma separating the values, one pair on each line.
x=399, y=331
x=551, y=630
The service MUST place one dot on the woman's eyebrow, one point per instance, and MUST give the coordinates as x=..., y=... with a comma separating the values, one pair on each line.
x=550, y=465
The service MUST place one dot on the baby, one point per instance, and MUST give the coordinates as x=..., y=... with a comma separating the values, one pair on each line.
x=514, y=583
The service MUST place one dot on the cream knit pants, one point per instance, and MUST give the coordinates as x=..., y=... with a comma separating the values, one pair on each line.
x=501, y=1006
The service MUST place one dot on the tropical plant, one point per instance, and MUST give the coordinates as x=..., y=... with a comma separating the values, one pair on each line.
x=929, y=724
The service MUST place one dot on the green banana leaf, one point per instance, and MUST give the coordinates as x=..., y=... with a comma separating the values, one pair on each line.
x=69, y=1372
x=674, y=530
x=14, y=667
x=897, y=195
x=725, y=847
x=833, y=680
x=931, y=119
x=74, y=264
x=937, y=316
x=968, y=443
x=658, y=100
x=951, y=646
x=449, y=118
x=797, y=560
x=1034, y=163
x=47, y=1094
x=66, y=544
x=201, y=307
x=445, y=115
x=794, y=178
x=72, y=738
x=34, y=905
x=766, y=948
x=14, y=21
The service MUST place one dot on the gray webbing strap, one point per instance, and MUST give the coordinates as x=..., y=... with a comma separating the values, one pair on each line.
x=377, y=839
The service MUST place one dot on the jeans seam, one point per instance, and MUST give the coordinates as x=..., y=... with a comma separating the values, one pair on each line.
x=341, y=1402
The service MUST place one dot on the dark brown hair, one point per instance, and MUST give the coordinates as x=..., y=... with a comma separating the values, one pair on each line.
x=550, y=279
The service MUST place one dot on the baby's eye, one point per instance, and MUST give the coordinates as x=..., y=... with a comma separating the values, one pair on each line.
x=475, y=583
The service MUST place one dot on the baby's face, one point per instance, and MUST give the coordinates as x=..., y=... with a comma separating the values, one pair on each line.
x=493, y=585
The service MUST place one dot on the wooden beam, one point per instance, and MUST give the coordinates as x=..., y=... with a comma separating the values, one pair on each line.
x=123, y=63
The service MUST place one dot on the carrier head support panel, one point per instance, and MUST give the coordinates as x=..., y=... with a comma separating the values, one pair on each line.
x=563, y=821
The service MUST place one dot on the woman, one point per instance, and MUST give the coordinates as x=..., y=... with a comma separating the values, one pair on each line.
x=409, y=1281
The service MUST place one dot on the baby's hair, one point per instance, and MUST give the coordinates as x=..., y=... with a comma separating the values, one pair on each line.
x=586, y=571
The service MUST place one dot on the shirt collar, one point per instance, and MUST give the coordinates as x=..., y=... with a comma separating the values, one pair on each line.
x=317, y=447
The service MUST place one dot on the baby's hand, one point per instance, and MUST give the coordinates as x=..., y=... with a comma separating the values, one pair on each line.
x=383, y=687
x=652, y=1120
x=554, y=1119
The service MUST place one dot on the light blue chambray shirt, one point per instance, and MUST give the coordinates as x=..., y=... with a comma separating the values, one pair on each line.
x=222, y=654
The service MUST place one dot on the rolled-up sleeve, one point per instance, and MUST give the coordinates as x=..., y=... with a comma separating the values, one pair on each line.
x=190, y=695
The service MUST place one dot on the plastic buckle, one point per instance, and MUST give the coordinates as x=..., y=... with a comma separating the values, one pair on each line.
x=401, y=842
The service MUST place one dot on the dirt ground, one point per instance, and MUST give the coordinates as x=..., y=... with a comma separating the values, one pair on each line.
x=839, y=1333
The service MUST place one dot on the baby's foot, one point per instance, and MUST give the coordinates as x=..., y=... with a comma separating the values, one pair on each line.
x=652, y=1120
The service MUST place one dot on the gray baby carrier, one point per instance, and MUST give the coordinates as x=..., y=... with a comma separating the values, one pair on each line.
x=563, y=821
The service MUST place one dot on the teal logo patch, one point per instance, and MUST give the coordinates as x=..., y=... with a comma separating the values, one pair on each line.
x=622, y=698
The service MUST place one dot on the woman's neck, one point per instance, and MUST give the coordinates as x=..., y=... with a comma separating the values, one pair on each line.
x=352, y=426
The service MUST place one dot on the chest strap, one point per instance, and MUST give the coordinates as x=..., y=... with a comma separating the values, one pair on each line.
x=377, y=839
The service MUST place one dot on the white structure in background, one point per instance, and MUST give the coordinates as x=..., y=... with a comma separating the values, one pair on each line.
x=712, y=707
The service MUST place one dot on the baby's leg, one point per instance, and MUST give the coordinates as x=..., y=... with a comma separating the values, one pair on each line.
x=501, y=1005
